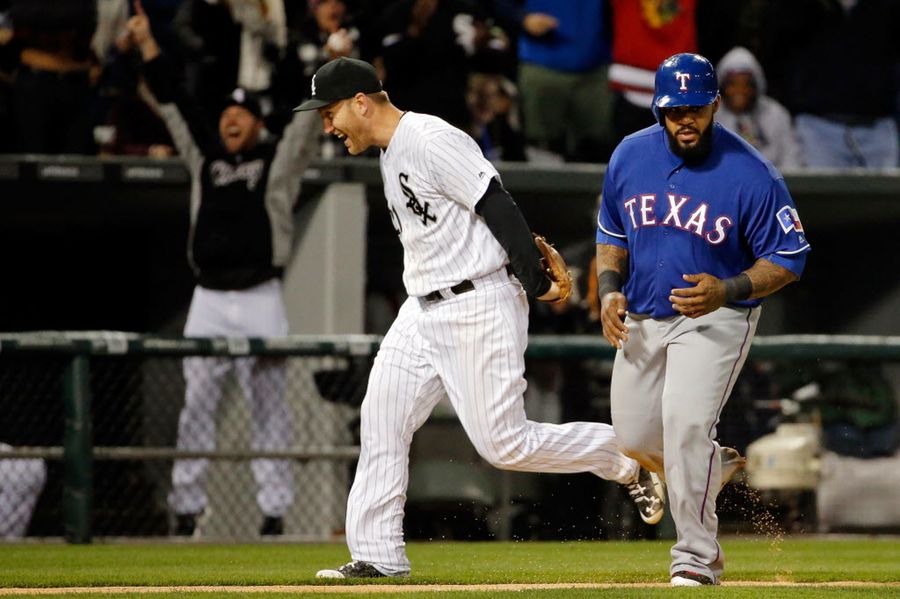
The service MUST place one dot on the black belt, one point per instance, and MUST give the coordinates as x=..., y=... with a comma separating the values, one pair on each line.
x=458, y=289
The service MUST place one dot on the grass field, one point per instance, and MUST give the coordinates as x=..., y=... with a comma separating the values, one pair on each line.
x=631, y=566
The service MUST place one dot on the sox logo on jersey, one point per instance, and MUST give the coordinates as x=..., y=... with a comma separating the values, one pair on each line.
x=452, y=346
x=413, y=203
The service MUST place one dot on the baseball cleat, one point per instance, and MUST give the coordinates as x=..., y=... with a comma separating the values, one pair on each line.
x=354, y=569
x=272, y=526
x=191, y=525
x=686, y=578
x=185, y=525
x=649, y=495
x=732, y=461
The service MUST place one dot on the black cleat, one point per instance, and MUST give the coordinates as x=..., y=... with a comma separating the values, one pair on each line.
x=686, y=578
x=272, y=526
x=353, y=569
x=648, y=494
x=185, y=524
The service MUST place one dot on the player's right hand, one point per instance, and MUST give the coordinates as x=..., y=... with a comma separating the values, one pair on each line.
x=613, y=306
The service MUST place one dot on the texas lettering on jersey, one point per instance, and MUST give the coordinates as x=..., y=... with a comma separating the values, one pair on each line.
x=413, y=204
x=680, y=212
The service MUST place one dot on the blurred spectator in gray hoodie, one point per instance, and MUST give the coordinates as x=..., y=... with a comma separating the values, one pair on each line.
x=747, y=110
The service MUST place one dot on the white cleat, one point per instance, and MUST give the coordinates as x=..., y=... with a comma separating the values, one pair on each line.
x=679, y=581
x=686, y=578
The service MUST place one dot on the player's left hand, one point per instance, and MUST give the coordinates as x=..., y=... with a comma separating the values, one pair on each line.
x=706, y=296
x=552, y=295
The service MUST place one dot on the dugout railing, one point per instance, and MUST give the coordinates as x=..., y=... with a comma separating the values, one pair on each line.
x=100, y=410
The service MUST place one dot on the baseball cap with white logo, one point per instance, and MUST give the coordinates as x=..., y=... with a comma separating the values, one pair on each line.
x=245, y=99
x=340, y=79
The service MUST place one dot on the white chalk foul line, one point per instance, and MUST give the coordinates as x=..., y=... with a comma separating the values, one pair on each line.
x=418, y=588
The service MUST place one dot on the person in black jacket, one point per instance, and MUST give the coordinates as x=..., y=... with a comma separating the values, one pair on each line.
x=52, y=91
x=242, y=195
x=427, y=50
x=833, y=64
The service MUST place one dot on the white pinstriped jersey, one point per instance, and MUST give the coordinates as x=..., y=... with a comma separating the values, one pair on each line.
x=434, y=174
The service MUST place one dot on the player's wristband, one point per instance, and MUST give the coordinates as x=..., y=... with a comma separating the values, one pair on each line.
x=608, y=281
x=738, y=288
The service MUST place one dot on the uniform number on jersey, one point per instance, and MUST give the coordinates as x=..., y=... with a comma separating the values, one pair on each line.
x=413, y=203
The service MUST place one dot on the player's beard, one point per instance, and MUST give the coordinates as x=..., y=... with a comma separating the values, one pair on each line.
x=696, y=153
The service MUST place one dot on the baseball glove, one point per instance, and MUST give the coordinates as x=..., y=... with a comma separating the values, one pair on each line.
x=555, y=268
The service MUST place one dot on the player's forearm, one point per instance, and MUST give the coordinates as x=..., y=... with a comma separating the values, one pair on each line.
x=503, y=218
x=612, y=257
x=768, y=277
x=612, y=266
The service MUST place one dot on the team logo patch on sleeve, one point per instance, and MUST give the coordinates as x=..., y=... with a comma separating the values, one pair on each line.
x=789, y=220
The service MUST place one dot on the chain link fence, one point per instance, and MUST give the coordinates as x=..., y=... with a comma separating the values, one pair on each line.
x=94, y=429
x=277, y=430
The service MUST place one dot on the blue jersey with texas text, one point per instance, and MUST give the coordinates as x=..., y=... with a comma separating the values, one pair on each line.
x=716, y=217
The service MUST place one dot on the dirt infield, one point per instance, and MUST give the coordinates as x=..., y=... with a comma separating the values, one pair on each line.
x=422, y=588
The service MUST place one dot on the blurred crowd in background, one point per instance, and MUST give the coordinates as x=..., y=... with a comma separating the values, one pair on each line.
x=811, y=83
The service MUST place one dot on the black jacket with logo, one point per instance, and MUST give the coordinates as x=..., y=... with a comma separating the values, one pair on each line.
x=241, y=204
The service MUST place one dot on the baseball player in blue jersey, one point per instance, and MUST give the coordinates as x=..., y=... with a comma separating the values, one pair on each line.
x=695, y=228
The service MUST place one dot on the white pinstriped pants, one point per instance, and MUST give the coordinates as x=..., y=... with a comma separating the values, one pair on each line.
x=21, y=483
x=472, y=348
x=255, y=312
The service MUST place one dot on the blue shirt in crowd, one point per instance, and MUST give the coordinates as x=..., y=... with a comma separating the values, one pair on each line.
x=579, y=44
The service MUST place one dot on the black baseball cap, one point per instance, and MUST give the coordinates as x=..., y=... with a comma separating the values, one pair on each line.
x=245, y=99
x=340, y=79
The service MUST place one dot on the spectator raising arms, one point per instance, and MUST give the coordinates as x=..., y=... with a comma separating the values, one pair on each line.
x=243, y=193
x=428, y=49
x=325, y=32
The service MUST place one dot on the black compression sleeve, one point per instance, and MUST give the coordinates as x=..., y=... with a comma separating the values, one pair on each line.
x=506, y=222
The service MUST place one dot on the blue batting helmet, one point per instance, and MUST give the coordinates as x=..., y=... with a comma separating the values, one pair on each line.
x=684, y=80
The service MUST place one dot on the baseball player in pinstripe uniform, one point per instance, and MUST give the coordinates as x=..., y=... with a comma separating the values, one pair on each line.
x=242, y=194
x=695, y=228
x=463, y=329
